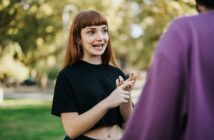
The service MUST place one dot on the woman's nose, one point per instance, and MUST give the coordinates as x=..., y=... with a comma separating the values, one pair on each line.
x=100, y=36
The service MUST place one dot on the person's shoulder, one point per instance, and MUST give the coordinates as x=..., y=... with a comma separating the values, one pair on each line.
x=190, y=19
x=68, y=70
x=182, y=23
x=181, y=20
x=115, y=69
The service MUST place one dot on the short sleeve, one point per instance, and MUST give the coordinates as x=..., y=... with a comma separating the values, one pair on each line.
x=121, y=73
x=63, y=99
x=124, y=75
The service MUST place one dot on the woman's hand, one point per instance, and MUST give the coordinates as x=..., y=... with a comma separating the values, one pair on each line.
x=119, y=96
x=121, y=81
x=126, y=108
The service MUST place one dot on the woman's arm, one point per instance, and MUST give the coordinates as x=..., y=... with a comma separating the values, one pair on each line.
x=76, y=124
x=126, y=108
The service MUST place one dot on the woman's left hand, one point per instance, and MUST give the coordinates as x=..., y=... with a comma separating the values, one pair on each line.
x=120, y=81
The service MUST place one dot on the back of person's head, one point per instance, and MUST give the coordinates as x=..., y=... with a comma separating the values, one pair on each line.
x=207, y=3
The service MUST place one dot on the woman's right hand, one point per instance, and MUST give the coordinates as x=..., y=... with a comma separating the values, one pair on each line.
x=119, y=96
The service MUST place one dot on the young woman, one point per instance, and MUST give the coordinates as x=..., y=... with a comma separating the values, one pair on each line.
x=90, y=95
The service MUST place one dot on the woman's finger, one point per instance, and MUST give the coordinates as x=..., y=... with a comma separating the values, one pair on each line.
x=121, y=80
x=117, y=83
x=127, y=83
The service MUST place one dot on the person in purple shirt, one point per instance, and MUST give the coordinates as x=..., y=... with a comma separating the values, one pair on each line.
x=177, y=101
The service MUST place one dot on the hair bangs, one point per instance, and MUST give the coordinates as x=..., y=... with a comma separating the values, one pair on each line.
x=92, y=18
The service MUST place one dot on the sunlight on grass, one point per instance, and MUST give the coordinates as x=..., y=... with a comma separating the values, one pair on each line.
x=23, y=102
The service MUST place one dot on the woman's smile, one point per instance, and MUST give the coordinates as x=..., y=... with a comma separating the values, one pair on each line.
x=99, y=47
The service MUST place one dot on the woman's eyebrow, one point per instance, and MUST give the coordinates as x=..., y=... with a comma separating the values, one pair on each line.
x=94, y=28
x=105, y=27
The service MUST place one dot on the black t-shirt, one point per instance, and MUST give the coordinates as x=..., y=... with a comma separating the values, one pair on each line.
x=81, y=86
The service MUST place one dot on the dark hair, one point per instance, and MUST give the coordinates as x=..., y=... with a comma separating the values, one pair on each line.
x=74, y=50
x=207, y=3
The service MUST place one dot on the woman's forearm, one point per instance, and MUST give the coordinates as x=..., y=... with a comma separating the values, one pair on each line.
x=75, y=126
x=126, y=110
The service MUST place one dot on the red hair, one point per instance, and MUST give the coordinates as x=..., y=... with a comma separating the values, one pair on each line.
x=84, y=19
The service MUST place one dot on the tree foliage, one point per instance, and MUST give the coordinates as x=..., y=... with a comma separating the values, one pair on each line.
x=30, y=24
x=154, y=17
x=35, y=27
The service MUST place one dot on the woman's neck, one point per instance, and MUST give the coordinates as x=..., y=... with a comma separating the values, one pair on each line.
x=93, y=60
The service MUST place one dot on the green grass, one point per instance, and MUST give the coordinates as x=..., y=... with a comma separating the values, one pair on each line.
x=29, y=122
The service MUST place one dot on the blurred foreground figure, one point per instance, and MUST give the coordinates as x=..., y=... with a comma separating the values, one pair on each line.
x=177, y=102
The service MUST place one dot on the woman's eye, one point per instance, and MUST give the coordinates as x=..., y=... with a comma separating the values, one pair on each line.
x=105, y=31
x=91, y=32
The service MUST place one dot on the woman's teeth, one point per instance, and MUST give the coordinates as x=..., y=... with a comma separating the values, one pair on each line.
x=98, y=46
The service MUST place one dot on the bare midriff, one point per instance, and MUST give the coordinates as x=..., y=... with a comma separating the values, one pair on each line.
x=105, y=133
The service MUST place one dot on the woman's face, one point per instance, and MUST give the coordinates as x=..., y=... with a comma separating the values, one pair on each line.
x=94, y=40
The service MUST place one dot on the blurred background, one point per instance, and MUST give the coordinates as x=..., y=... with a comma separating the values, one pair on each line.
x=33, y=36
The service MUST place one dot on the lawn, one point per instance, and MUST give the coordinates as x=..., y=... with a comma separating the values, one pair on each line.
x=29, y=122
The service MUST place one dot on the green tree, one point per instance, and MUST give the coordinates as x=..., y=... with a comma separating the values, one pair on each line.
x=34, y=29
x=154, y=17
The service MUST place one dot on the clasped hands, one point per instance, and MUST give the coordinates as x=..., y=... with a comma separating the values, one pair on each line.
x=121, y=95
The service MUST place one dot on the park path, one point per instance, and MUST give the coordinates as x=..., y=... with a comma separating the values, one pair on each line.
x=34, y=93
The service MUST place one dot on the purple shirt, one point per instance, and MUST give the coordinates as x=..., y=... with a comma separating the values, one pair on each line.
x=177, y=102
